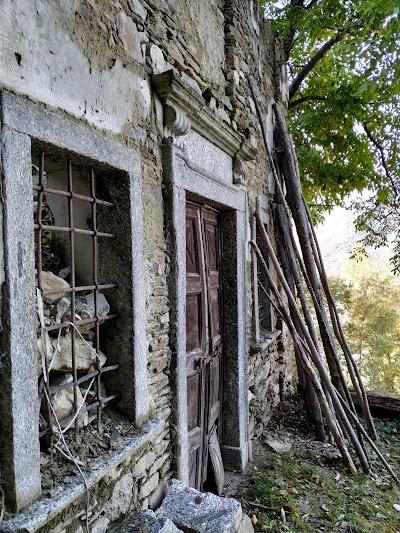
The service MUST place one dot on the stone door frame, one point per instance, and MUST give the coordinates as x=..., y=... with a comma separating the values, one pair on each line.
x=204, y=166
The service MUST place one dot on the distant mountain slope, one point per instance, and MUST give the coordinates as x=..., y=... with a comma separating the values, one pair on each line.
x=337, y=238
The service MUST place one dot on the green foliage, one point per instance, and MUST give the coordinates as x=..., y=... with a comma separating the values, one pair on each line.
x=319, y=495
x=369, y=300
x=345, y=111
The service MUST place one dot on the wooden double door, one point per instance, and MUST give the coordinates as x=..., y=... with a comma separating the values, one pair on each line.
x=204, y=346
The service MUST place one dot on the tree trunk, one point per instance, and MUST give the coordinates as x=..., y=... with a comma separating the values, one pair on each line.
x=380, y=402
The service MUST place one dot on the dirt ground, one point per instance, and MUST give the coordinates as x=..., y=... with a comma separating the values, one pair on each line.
x=288, y=430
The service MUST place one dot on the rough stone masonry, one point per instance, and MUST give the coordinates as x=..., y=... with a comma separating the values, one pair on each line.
x=153, y=94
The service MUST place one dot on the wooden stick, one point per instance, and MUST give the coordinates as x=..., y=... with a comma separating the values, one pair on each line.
x=282, y=199
x=371, y=442
x=334, y=367
x=281, y=312
x=330, y=417
x=352, y=367
x=298, y=261
x=278, y=186
x=295, y=201
x=261, y=507
x=351, y=364
x=314, y=353
x=321, y=270
x=290, y=269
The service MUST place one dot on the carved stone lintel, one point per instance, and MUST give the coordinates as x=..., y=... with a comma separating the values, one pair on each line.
x=173, y=91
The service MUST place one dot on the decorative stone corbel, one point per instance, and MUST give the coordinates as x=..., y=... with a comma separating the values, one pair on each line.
x=239, y=171
x=176, y=124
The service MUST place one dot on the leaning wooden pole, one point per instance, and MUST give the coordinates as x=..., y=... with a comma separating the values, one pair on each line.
x=333, y=366
x=298, y=261
x=329, y=347
x=371, y=442
x=310, y=272
x=295, y=200
x=330, y=416
x=291, y=270
x=337, y=327
x=313, y=350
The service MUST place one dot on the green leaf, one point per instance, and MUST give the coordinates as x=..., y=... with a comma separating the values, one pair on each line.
x=360, y=80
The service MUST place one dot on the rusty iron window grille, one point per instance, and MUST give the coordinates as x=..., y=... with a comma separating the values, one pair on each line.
x=46, y=391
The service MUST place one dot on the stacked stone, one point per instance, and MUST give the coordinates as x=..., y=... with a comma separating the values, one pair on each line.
x=269, y=382
x=157, y=331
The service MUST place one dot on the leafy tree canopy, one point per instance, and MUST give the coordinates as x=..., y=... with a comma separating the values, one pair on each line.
x=344, y=104
x=368, y=297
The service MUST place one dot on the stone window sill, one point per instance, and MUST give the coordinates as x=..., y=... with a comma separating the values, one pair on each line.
x=44, y=510
x=266, y=341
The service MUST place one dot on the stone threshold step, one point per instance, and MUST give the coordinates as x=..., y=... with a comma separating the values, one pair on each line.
x=186, y=509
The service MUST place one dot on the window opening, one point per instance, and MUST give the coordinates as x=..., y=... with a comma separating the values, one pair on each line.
x=72, y=302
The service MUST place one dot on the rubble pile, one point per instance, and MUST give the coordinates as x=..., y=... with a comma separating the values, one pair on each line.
x=54, y=347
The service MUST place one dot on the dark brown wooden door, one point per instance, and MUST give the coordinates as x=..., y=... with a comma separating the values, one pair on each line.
x=204, y=343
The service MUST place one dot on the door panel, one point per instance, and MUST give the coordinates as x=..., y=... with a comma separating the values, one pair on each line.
x=191, y=244
x=204, y=343
x=211, y=229
x=196, y=338
x=193, y=321
x=216, y=460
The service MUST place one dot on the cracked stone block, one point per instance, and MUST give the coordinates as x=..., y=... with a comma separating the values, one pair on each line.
x=197, y=512
x=147, y=522
x=121, y=498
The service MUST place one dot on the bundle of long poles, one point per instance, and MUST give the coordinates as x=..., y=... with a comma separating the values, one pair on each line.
x=298, y=273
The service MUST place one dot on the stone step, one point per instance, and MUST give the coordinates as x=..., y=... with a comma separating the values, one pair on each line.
x=197, y=512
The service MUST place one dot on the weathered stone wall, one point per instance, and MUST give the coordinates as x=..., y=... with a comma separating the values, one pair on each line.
x=132, y=478
x=91, y=61
x=269, y=382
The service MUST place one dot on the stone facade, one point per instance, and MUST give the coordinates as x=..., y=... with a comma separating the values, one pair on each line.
x=155, y=91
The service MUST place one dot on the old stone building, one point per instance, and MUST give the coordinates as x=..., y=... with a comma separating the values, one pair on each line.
x=131, y=158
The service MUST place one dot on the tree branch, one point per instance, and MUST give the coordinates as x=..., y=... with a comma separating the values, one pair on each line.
x=301, y=76
x=288, y=41
x=306, y=99
x=381, y=151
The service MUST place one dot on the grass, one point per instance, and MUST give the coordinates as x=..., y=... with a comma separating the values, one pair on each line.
x=319, y=495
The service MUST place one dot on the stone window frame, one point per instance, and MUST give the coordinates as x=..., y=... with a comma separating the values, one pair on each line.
x=262, y=339
x=188, y=177
x=22, y=121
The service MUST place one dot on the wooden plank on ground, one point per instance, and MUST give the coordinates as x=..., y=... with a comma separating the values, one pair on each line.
x=381, y=402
